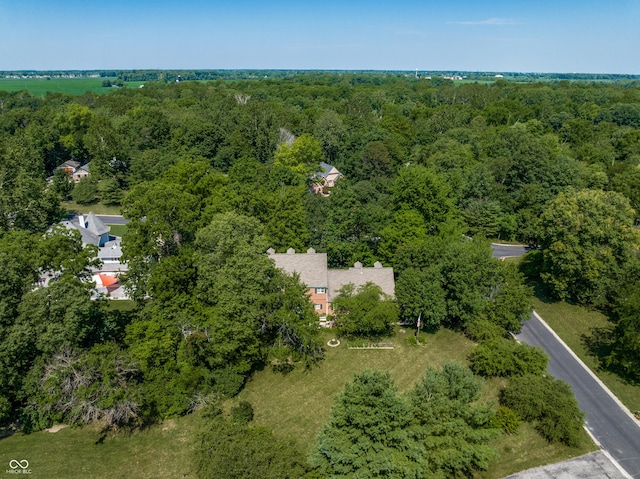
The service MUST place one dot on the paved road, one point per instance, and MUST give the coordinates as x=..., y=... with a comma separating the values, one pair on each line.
x=506, y=250
x=106, y=219
x=612, y=427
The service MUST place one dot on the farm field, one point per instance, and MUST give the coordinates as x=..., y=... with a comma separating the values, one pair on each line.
x=71, y=86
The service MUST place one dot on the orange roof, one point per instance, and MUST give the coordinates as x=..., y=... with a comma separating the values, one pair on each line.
x=108, y=280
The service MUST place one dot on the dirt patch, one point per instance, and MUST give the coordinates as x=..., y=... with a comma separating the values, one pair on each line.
x=56, y=427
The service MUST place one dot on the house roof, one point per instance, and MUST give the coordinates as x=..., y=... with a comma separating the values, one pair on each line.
x=87, y=236
x=359, y=276
x=327, y=169
x=110, y=251
x=95, y=225
x=70, y=164
x=313, y=271
x=311, y=266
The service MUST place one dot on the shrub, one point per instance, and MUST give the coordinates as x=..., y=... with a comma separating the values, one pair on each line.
x=504, y=357
x=549, y=403
x=485, y=330
x=242, y=413
x=506, y=419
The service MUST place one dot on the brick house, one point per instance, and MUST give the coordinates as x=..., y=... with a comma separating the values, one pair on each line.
x=323, y=283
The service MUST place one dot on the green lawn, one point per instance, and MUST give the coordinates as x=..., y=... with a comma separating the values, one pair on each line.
x=117, y=230
x=294, y=405
x=577, y=326
x=160, y=451
x=297, y=404
x=97, y=208
x=71, y=86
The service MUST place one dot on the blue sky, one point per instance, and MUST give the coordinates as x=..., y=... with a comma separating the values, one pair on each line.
x=592, y=36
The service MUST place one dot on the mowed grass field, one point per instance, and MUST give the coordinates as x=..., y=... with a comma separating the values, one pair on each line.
x=297, y=404
x=294, y=405
x=72, y=86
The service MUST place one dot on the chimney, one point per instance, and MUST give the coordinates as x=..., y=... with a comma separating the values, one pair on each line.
x=81, y=221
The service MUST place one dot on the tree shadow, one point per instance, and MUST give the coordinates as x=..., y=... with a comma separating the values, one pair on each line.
x=600, y=343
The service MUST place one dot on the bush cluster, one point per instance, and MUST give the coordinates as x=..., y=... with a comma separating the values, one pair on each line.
x=504, y=357
x=549, y=403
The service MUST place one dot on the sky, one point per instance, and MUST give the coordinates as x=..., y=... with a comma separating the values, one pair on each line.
x=587, y=36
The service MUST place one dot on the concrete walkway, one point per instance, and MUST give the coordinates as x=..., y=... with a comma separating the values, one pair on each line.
x=595, y=465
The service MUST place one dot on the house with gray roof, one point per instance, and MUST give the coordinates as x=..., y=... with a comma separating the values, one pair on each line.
x=92, y=229
x=325, y=178
x=324, y=283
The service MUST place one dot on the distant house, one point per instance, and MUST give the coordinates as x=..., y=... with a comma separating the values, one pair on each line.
x=81, y=172
x=92, y=229
x=323, y=283
x=325, y=178
x=69, y=166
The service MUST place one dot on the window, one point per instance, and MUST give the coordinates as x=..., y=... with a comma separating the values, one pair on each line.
x=321, y=290
x=318, y=306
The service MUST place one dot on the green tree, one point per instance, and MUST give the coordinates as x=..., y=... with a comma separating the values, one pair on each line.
x=303, y=156
x=365, y=312
x=85, y=191
x=505, y=357
x=62, y=183
x=369, y=433
x=422, y=189
x=625, y=354
x=587, y=238
x=548, y=403
x=453, y=426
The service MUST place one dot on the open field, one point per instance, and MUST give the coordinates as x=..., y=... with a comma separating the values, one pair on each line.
x=71, y=86
x=577, y=326
x=97, y=208
x=163, y=450
x=296, y=404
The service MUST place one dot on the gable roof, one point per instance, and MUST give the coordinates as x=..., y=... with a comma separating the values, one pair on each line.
x=311, y=266
x=326, y=170
x=359, y=276
x=70, y=164
x=95, y=225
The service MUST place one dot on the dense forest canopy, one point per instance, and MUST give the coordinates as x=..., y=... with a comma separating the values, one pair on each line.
x=213, y=173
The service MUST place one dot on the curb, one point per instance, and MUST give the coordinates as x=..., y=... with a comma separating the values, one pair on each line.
x=624, y=408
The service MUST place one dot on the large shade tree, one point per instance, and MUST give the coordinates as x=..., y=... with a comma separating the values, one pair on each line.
x=587, y=239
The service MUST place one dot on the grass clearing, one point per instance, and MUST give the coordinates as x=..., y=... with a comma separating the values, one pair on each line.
x=294, y=405
x=297, y=404
x=97, y=208
x=575, y=325
x=117, y=230
x=163, y=450
x=528, y=449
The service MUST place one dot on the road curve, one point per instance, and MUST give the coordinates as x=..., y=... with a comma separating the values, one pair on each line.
x=607, y=420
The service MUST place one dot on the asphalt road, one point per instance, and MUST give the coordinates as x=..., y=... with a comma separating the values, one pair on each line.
x=506, y=250
x=612, y=427
x=113, y=219
x=106, y=219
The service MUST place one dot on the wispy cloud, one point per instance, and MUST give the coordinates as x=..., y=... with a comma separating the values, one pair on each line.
x=488, y=21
